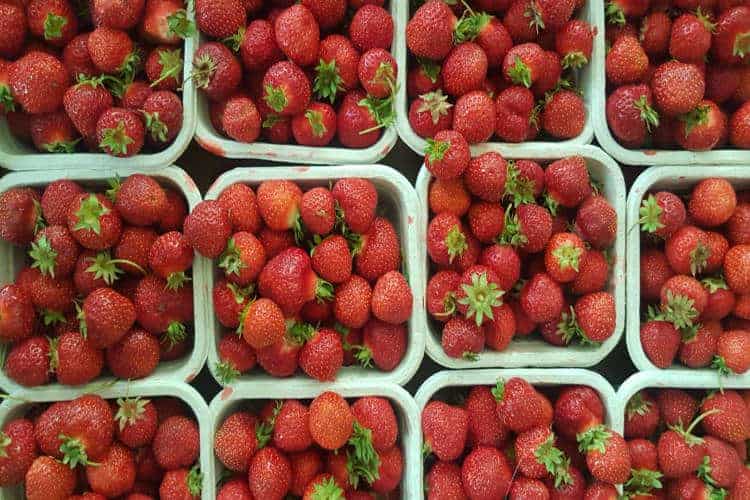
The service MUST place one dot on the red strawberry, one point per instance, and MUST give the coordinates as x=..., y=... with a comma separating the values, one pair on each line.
x=322, y=355
x=298, y=35
x=447, y=155
x=241, y=205
x=237, y=358
x=462, y=338
x=429, y=33
x=176, y=442
x=84, y=103
x=332, y=260
x=278, y=204
x=445, y=429
x=107, y=316
x=358, y=199
x=713, y=202
x=270, y=474
x=486, y=473
x=474, y=117
x=243, y=259
x=567, y=181
x=162, y=111
x=618, y=10
x=465, y=69
x=577, y=409
x=135, y=94
x=114, y=474
x=484, y=427
x=449, y=196
x=377, y=415
x=730, y=36
x=351, y=305
x=315, y=126
x=392, y=298
x=216, y=70
x=28, y=362
x=53, y=133
x=593, y=273
x=38, y=81
x=520, y=407
x=56, y=198
x=48, y=478
x=161, y=310
x=317, y=211
x=17, y=315
x=641, y=416
x=377, y=71
x=181, y=483
x=377, y=251
x=208, y=228
x=630, y=114
x=660, y=341
x=262, y=323
x=698, y=350
x=165, y=21
x=337, y=67
x=140, y=200
x=306, y=466
x=676, y=406
x=485, y=177
x=726, y=416
x=574, y=42
x=722, y=463
x=54, y=252
x=236, y=441
x=116, y=14
x=371, y=27
x=524, y=64
x=731, y=352
x=444, y=481
x=328, y=13
x=14, y=27
x=220, y=19
x=739, y=127
x=74, y=359
x=564, y=115
x=662, y=213
x=562, y=256
x=290, y=428
x=424, y=78
x=94, y=222
x=135, y=356
x=607, y=455
x=682, y=300
x=383, y=344
x=331, y=420
x=360, y=119
x=53, y=20
x=687, y=250
x=20, y=215
x=289, y=280
x=735, y=262
x=541, y=298
x=258, y=47
x=169, y=257
x=702, y=128
x=678, y=87
x=626, y=61
x=120, y=132
x=112, y=50
x=19, y=450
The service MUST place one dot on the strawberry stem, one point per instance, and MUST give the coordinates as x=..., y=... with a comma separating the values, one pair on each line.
x=276, y=98
x=74, y=452
x=171, y=66
x=648, y=114
x=195, y=481
x=519, y=73
x=455, y=242
x=481, y=298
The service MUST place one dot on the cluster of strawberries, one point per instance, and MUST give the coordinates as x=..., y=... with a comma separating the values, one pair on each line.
x=677, y=73
x=695, y=277
x=327, y=450
x=106, y=281
x=308, y=279
x=78, y=79
x=92, y=449
x=511, y=441
x=688, y=445
x=304, y=72
x=511, y=76
x=501, y=272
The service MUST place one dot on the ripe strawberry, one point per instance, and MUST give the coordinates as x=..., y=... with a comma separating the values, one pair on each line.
x=49, y=478
x=17, y=315
x=328, y=13
x=107, y=316
x=662, y=213
x=53, y=20
x=564, y=115
x=562, y=256
x=208, y=228
x=236, y=358
x=676, y=406
x=243, y=259
x=484, y=427
x=377, y=71
x=54, y=252
x=120, y=132
x=514, y=108
x=383, y=344
x=181, y=483
x=678, y=87
x=729, y=42
x=641, y=416
x=429, y=33
x=236, y=441
x=84, y=103
x=392, y=298
x=567, y=181
x=726, y=416
x=20, y=215
x=289, y=280
x=358, y=200
x=593, y=273
x=520, y=407
x=112, y=51
x=74, y=359
x=541, y=298
x=731, y=352
x=735, y=267
x=278, y=204
x=220, y=19
x=270, y=474
x=317, y=211
x=53, y=133
x=462, y=338
x=170, y=256
x=577, y=409
x=687, y=250
x=315, y=126
x=262, y=323
x=332, y=260
x=739, y=127
x=371, y=27
x=360, y=119
x=20, y=451
x=28, y=361
x=702, y=128
x=524, y=64
x=38, y=82
x=298, y=35
x=290, y=429
x=445, y=429
x=377, y=415
x=49, y=295
x=337, y=67
x=444, y=481
x=113, y=475
x=322, y=356
x=618, y=10
x=626, y=61
x=352, y=300
x=165, y=21
x=241, y=205
x=713, y=202
x=485, y=177
x=258, y=48
x=306, y=466
x=176, y=442
x=574, y=42
x=55, y=200
x=474, y=116
x=630, y=114
x=660, y=341
x=465, y=69
x=447, y=155
x=161, y=310
x=162, y=111
x=14, y=28
x=135, y=356
x=607, y=455
x=698, y=350
x=486, y=221
x=682, y=300
x=116, y=14
x=331, y=420
x=163, y=68
x=690, y=38
x=135, y=94
x=722, y=463
x=216, y=70
x=486, y=473
x=140, y=200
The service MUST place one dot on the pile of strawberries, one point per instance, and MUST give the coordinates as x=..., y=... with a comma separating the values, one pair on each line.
x=103, y=77
x=512, y=441
x=499, y=68
x=677, y=73
x=298, y=72
x=505, y=264
x=307, y=279
x=688, y=445
x=695, y=277
x=91, y=449
x=106, y=282
x=327, y=450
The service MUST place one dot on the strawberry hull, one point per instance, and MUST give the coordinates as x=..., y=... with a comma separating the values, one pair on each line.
x=254, y=395
x=22, y=402
x=678, y=180
x=446, y=385
x=399, y=204
x=534, y=352
x=12, y=259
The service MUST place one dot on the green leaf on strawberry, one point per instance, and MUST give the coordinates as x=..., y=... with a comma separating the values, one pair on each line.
x=43, y=256
x=362, y=461
x=650, y=214
x=327, y=83
x=53, y=25
x=179, y=25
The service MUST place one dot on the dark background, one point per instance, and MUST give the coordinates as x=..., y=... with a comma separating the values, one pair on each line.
x=204, y=167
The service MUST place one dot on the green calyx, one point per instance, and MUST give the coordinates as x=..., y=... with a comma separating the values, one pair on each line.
x=115, y=141
x=88, y=215
x=60, y=146
x=104, y=267
x=637, y=406
x=324, y=291
x=115, y=184
x=271, y=120
x=534, y=15
x=4, y=443
x=43, y=256
x=241, y=294
x=328, y=82
x=714, y=283
x=176, y=280
x=679, y=310
x=327, y=490
x=574, y=60
x=195, y=481
x=276, y=98
x=687, y=434
x=699, y=258
x=7, y=102
x=519, y=73
x=470, y=26
x=203, y=71
x=363, y=355
x=130, y=410
x=512, y=232
x=231, y=260
x=171, y=66
x=695, y=118
x=519, y=189
x=449, y=306
x=54, y=356
x=470, y=356
x=642, y=482
x=154, y=126
x=719, y=364
x=568, y=256
x=300, y=332
x=555, y=461
x=436, y=103
x=130, y=67
x=315, y=119
x=705, y=19
x=50, y=317
x=226, y=373
x=430, y=69
x=704, y=471
x=571, y=330
x=81, y=317
x=74, y=452
x=615, y=14
x=383, y=110
x=498, y=392
x=650, y=215
x=362, y=461
x=594, y=439
x=234, y=41
x=436, y=150
x=648, y=114
x=264, y=430
x=53, y=26
x=175, y=333
x=550, y=203
x=741, y=45
x=179, y=25
x=384, y=75
x=455, y=243
x=481, y=297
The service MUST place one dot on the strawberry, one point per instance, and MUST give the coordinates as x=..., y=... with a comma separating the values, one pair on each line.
x=731, y=357
x=676, y=406
x=135, y=356
x=725, y=416
x=626, y=61
x=465, y=69
x=567, y=182
x=662, y=213
x=735, y=262
x=577, y=409
x=165, y=21
x=181, y=483
x=682, y=300
x=392, y=298
x=697, y=351
x=655, y=33
x=424, y=78
x=377, y=251
x=678, y=87
x=360, y=119
x=290, y=428
x=258, y=48
x=474, y=117
x=377, y=71
x=337, y=67
x=315, y=126
x=20, y=451
x=54, y=252
x=593, y=273
x=14, y=28
x=208, y=228
x=170, y=256
x=278, y=204
x=574, y=42
x=76, y=58
x=641, y=416
x=721, y=301
x=462, y=338
x=332, y=260
x=84, y=103
x=106, y=317
x=135, y=94
x=236, y=440
x=630, y=114
x=389, y=472
x=237, y=358
x=520, y=407
x=262, y=323
x=541, y=298
x=376, y=414
x=162, y=111
x=537, y=457
x=484, y=427
x=371, y=27
x=486, y=221
x=317, y=211
x=306, y=466
x=220, y=19
x=241, y=205
x=429, y=32
x=485, y=177
x=48, y=295
x=120, y=132
x=115, y=14
x=28, y=361
x=280, y=359
x=322, y=356
x=331, y=420
x=139, y=199
x=690, y=38
x=713, y=202
x=74, y=359
x=270, y=474
x=722, y=463
x=618, y=10
x=593, y=317
x=562, y=256
x=113, y=475
x=243, y=259
x=328, y=13
x=17, y=316
x=730, y=36
x=20, y=215
x=444, y=481
x=112, y=51
x=38, y=82
x=275, y=241
x=161, y=310
x=702, y=128
x=289, y=280
x=447, y=155
x=55, y=200
x=523, y=487
x=739, y=127
x=660, y=341
x=383, y=344
x=216, y=70
x=53, y=133
x=48, y=478
x=607, y=455
x=486, y=473
x=449, y=196
x=53, y=20
x=687, y=250
x=524, y=64
x=358, y=200
x=680, y=452
x=352, y=302
x=298, y=35
x=176, y=442
x=444, y=428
